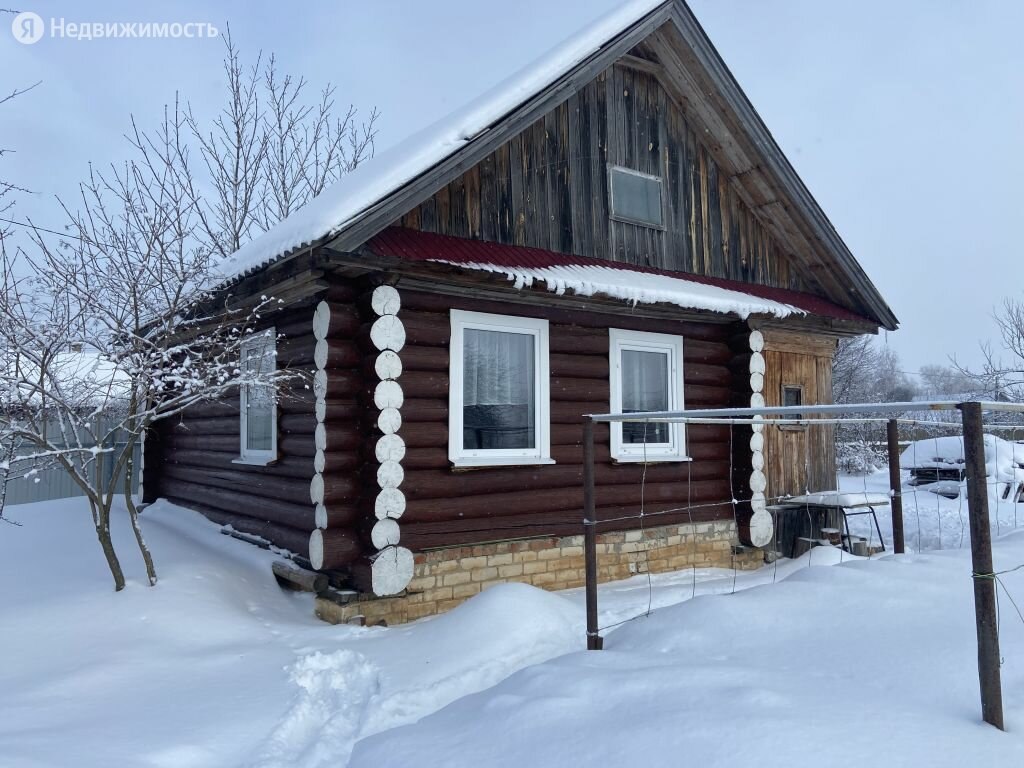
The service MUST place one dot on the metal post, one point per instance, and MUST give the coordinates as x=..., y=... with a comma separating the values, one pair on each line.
x=892, y=434
x=981, y=558
x=594, y=641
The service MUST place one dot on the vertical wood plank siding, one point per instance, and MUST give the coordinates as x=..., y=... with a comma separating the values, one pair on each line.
x=548, y=188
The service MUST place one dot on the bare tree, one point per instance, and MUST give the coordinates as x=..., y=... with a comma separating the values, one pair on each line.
x=132, y=285
x=1001, y=376
x=9, y=189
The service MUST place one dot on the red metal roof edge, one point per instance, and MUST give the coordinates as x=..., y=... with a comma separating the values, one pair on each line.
x=414, y=245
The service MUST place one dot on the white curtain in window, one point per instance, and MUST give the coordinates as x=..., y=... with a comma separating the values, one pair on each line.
x=644, y=388
x=498, y=397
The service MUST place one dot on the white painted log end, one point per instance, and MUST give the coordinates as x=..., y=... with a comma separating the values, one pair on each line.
x=758, y=482
x=756, y=341
x=321, y=516
x=758, y=425
x=761, y=529
x=319, y=461
x=390, y=448
x=390, y=502
x=757, y=400
x=757, y=461
x=320, y=354
x=757, y=363
x=756, y=382
x=320, y=437
x=316, y=549
x=391, y=571
x=320, y=410
x=316, y=489
x=390, y=474
x=388, y=365
x=758, y=503
x=389, y=420
x=388, y=394
x=320, y=385
x=321, y=320
x=757, y=442
x=385, y=533
x=385, y=300
x=388, y=333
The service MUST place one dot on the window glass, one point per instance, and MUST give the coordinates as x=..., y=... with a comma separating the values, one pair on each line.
x=259, y=411
x=636, y=197
x=793, y=396
x=499, y=400
x=645, y=387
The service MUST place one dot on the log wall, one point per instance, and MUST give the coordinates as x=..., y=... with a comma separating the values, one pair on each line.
x=191, y=459
x=446, y=507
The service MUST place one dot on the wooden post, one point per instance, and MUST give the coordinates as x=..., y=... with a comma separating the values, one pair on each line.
x=892, y=434
x=594, y=641
x=981, y=559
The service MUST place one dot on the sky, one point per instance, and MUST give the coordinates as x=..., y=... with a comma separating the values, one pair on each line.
x=905, y=120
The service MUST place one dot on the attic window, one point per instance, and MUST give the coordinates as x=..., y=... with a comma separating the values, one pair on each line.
x=635, y=197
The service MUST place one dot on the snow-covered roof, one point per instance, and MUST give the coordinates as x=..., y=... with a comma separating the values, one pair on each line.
x=370, y=182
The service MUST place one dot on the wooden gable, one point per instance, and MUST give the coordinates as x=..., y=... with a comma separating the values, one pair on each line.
x=547, y=188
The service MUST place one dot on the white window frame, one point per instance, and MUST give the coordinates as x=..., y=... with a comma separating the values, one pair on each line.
x=492, y=457
x=612, y=170
x=619, y=341
x=265, y=339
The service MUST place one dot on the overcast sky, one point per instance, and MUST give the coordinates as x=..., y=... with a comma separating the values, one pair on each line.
x=905, y=119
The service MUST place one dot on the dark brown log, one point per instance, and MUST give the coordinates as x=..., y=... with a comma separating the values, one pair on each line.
x=700, y=373
x=499, y=504
x=702, y=396
x=337, y=488
x=426, y=458
x=442, y=484
x=588, y=390
x=291, y=576
x=194, y=440
x=227, y=408
x=296, y=445
x=344, y=515
x=300, y=467
x=344, y=384
x=340, y=291
x=344, y=324
x=341, y=461
x=579, y=365
x=285, y=489
x=289, y=539
x=425, y=409
x=419, y=358
x=425, y=384
x=341, y=353
x=425, y=303
x=425, y=329
x=333, y=548
x=257, y=508
x=556, y=523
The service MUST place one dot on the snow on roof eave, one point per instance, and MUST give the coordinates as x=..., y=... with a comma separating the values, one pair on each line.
x=335, y=208
x=636, y=288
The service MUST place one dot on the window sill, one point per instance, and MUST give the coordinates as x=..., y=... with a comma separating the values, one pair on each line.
x=650, y=459
x=255, y=462
x=500, y=461
x=793, y=427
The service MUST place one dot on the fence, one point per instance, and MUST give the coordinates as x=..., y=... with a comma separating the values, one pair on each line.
x=761, y=517
x=52, y=482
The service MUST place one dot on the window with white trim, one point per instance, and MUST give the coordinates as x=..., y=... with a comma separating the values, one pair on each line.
x=258, y=400
x=646, y=374
x=498, y=395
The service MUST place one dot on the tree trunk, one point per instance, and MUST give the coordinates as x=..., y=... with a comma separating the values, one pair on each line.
x=102, y=516
x=133, y=513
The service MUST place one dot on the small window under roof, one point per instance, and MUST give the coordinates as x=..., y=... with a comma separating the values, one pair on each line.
x=635, y=197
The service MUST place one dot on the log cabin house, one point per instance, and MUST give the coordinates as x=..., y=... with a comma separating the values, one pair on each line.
x=612, y=228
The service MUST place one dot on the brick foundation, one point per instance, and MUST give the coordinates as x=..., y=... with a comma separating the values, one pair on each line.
x=443, y=578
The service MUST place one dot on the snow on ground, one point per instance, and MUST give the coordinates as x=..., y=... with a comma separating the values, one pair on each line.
x=217, y=666
x=930, y=521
